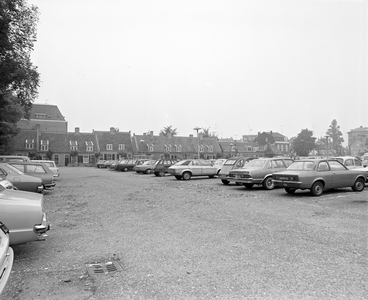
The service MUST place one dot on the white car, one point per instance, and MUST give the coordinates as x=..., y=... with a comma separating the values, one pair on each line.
x=51, y=165
x=6, y=257
x=193, y=167
x=349, y=161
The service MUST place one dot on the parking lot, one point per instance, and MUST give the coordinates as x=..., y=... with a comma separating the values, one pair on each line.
x=196, y=239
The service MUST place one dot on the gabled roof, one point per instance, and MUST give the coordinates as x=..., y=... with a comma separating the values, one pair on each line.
x=115, y=138
x=188, y=144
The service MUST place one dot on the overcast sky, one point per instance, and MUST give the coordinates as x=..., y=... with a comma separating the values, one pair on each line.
x=236, y=66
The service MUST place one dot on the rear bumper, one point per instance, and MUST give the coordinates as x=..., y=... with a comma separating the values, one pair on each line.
x=288, y=184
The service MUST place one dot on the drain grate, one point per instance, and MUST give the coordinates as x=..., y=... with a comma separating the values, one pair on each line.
x=103, y=268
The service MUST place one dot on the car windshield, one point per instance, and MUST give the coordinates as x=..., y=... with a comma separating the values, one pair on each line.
x=302, y=165
x=13, y=170
x=256, y=163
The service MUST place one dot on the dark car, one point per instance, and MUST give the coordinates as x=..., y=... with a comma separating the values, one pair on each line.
x=100, y=163
x=126, y=165
x=20, y=180
x=232, y=164
x=318, y=175
x=162, y=166
x=259, y=171
x=35, y=169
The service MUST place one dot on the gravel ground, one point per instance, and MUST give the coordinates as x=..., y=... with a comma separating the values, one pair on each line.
x=196, y=239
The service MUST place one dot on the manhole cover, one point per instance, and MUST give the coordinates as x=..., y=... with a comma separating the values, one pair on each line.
x=103, y=268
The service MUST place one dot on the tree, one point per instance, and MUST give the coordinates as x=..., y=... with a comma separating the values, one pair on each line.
x=168, y=130
x=335, y=134
x=208, y=134
x=304, y=143
x=19, y=78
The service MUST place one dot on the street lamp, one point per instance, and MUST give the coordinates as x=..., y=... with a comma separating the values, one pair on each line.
x=231, y=149
x=142, y=141
x=197, y=128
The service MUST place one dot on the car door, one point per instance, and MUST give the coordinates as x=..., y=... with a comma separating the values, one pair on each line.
x=196, y=167
x=341, y=176
x=324, y=172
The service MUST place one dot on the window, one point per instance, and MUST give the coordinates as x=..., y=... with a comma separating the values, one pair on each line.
x=323, y=166
x=73, y=145
x=201, y=148
x=210, y=148
x=178, y=148
x=335, y=165
x=168, y=148
x=150, y=147
x=29, y=144
x=56, y=159
x=109, y=147
x=35, y=169
x=89, y=146
x=122, y=147
x=44, y=145
x=40, y=116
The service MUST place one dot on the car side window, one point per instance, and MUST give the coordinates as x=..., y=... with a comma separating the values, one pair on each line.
x=39, y=169
x=349, y=162
x=2, y=173
x=288, y=162
x=357, y=162
x=323, y=166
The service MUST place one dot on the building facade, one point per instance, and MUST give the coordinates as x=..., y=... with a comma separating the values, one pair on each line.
x=358, y=141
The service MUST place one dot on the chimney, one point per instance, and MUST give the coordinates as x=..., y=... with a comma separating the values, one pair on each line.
x=151, y=134
x=76, y=130
x=169, y=135
x=191, y=135
x=271, y=132
x=112, y=129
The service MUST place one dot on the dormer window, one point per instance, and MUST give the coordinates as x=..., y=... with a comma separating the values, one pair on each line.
x=150, y=148
x=168, y=148
x=201, y=148
x=29, y=144
x=89, y=146
x=40, y=116
x=209, y=148
x=44, y=145
x=178, y=148
x=108, y=146
x=73, y=145
x=121, y=147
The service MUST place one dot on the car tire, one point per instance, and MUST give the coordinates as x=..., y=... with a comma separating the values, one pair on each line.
x=156, y=174
x=268, y=184
x=317, y=188
x=148, y=171
x=187, y=175
x=290, y=190
x=359, y=185
x=248, y=185
x=125, y=170
x=225, y=182
x=178, y=177
x=161, y=173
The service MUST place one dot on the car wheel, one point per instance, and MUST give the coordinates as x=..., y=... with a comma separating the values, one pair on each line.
x=290, y=191
x=248, y=185
x=156, y=174
x=358, y=185
x=161, y=173
x=224, y=181
x=186, y=175
x=148, y=171
x=125, y=170
x=268, y=183
x=317, y=189
x=177, y=177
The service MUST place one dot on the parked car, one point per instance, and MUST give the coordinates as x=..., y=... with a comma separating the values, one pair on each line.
x=232, y=164
x=146, y=167
x=193, y=167
x=365, y=160
x=6, y=158
x=7, y=184
x=318, y=175
x=162, y=166
x=100, y=163
x=349, y=161
x=126, y=165
x=39, y=170
x=6, y=257
x=112, y=165
x=259, y=171
x=51, y=165
x=23, y=214
x=20, y=180
x=107, y=164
